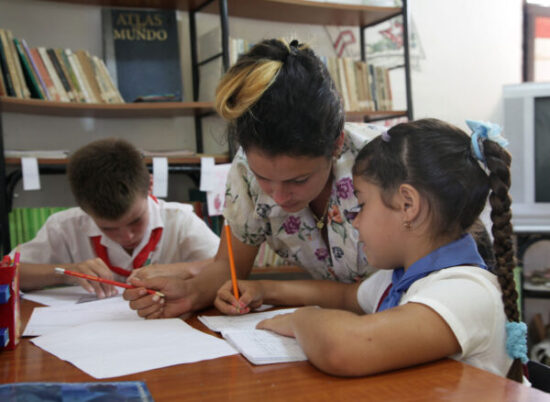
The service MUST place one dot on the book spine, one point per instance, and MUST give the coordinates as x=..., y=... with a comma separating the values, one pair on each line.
x=28, y=72
x=18, y=67
x=60, y=74
x=99, y=79
x=75, y=64
x=10, y=91
x=71, y=77
x=113, y=93
x=37, y=72
x=12, y=73
x=59, y=88
x=88, y=71
x=2, y=83
x=45, y=75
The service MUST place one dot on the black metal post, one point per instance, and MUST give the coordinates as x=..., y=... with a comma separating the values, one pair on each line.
x=4, y=217
x=408, y=84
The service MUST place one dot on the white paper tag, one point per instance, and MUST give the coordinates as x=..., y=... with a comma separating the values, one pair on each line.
x=31, y=176
x=160, y=177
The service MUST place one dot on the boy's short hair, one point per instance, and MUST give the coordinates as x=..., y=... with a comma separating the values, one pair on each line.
x=107, y=176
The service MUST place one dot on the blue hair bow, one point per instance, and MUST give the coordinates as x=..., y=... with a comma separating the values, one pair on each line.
x=482, y=131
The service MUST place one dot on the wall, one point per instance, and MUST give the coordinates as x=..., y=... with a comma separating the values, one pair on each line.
x=467, y=57
x=472, y=48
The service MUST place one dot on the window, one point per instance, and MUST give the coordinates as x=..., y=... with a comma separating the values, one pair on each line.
x=537, y=41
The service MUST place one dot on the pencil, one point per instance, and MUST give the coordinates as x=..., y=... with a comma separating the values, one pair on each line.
x=62, y=271
x=16, y=257
x=231, y=260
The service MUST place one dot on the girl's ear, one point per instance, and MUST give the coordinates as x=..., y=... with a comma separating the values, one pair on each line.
x=409, y=203
x=338, y=145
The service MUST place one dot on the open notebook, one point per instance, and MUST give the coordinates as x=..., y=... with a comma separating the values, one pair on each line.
x=257, y=345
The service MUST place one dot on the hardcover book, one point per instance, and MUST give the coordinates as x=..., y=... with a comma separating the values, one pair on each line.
x=79, y=391
x=141, y=51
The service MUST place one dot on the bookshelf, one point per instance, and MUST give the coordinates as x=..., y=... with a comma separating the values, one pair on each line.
x=288, y=11
x=301, y=12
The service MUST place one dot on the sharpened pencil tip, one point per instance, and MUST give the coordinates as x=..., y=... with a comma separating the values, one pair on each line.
x=59, y=270
x=159, y=294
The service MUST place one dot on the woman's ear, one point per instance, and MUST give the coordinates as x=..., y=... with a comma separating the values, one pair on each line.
x=409, y=203
x=338, y=145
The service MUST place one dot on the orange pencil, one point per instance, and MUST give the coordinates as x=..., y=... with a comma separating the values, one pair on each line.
x=231, y=260
x=103, y=280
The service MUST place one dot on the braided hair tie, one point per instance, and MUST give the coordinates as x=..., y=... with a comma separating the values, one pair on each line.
x=516, y=340
x=482, y=131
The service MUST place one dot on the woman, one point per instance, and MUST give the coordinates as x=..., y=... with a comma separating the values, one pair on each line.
x=290, y=182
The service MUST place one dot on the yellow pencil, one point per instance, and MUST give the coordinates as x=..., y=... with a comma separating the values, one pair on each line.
x=231, y=260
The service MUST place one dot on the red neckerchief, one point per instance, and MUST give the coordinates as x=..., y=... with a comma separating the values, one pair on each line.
x=384, y=296
x=141, y=258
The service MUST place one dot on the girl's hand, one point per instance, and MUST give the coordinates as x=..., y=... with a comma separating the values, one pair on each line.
x=251, y=297
x=281, y=324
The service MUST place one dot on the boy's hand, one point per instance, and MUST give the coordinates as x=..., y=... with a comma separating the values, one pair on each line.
x=95, y=267
x=177, y=300
x=251, y=297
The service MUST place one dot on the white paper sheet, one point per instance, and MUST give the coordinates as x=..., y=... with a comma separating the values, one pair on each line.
x=45, y=320
x=105, y=349
x=60, y=295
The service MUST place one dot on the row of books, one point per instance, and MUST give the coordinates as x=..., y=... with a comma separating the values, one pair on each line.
x=364, y=87
x=209, y=45
x=24, y=223
x=53, y=74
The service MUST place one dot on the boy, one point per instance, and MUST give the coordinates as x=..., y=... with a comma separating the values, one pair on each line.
x=118, y=226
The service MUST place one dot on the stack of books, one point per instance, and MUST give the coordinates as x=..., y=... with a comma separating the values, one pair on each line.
x=59, y=75
x=364, y=87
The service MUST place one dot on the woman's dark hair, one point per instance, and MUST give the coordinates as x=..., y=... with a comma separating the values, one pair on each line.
x=436, y=158
x=280, y=99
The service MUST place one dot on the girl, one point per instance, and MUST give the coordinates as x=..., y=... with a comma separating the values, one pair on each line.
x=420, y=186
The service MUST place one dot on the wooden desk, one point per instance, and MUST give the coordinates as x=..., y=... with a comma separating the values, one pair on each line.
x=233, y=378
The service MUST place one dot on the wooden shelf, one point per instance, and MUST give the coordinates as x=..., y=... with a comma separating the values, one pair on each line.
x=292, y=11
x=69, y=109
x=152, y=109
x=187, y=160
x=366, y=116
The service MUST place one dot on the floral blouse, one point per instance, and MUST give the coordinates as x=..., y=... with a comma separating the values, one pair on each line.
x=254, y=217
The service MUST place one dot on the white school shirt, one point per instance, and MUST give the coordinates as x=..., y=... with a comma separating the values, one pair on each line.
x=468, y=299
x=65, y=238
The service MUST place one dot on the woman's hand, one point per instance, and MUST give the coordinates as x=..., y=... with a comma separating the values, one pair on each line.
x=177, y=300
x=251, y=297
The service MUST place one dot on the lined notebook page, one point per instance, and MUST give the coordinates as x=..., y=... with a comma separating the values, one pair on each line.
x=265, y=347
x=258, y=346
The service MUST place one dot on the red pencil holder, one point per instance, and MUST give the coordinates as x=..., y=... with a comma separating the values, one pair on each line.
x=9, y=311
